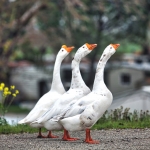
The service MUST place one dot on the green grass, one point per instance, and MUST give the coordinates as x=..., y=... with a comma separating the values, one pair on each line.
x=7, y=129
x=122, y=124
x=17, y=109
x=117, y=119
x=123, y=119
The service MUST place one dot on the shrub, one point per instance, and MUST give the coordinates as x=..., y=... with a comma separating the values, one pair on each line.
x=7, y=96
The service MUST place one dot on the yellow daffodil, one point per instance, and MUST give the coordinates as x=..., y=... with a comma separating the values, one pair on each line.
x=5, y=93
x=1, y=88
x=12, y=87
x=14, y=95
x=17, y=92
x=9, y=93
x=2, y=84
x=6, y=89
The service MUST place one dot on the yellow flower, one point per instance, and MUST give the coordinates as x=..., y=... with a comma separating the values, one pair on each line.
x=14, y=95
x=9, y=92
x=6, y=89
x=12, y=87
x=5, y=93
x=2, y=85
x=17, y=92
x=1, y=88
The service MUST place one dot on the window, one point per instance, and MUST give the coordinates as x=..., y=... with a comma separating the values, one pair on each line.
x=125, y=78
x=139, y=61
x=147, y=73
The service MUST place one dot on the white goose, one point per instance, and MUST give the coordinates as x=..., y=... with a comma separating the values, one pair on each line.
x=86, y=111
x=77, y=90
x=57, y=89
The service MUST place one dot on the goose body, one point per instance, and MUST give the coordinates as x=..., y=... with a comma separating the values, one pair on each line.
x=83, y=114
x=57, y=89
x=87, y=115
x=77, y=90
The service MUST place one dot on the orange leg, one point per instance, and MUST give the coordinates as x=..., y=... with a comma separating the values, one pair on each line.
x=40, y=134
x=66, y=136
x=89, y=139
x=50, y=135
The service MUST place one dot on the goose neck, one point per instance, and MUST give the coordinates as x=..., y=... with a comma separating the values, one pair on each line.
x=99, y=77
x=56, y=81
x=76, y=81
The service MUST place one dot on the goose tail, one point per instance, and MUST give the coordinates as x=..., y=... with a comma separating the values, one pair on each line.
x=21, y=121
x=57, y=118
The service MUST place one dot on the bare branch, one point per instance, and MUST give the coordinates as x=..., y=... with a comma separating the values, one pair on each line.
x=29, y=13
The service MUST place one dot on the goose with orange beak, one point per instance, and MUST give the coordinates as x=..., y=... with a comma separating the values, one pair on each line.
x=85, y=112
x=48, y=99
x=77, y=90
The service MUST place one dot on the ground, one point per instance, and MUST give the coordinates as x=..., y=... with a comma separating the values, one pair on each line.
x=120, y=139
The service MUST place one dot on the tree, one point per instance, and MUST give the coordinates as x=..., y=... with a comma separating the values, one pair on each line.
x=12, y=26
x=74, y=23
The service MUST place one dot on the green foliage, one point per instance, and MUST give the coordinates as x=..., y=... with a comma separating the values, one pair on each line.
x=122, y=124
x=122, y=118
x=118, y=119
x=17, y=109
x=76, y=23
x=27, y=52
x=7, y=97
x=3, y=121
x=129, y=47
x=71, y=23
x=7, y=129
x=12, y=109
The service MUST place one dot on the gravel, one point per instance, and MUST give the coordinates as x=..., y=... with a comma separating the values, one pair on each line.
x=122, y=139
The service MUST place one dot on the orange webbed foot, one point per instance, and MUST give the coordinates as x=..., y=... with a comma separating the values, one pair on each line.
x=51, y=136
x=92, y=142
x=69, y=139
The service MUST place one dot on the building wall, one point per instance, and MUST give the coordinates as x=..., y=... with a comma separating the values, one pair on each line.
x=123, y=79
x=28, y=79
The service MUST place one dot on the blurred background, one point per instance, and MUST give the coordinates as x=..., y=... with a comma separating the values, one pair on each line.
x=33, y=31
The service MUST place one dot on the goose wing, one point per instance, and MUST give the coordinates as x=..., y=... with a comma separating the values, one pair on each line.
x=75, y=108
x=58, y=106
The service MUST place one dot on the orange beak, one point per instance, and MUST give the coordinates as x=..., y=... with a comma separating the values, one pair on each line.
x=68, y=49
x=115, y=46
x=91, y=46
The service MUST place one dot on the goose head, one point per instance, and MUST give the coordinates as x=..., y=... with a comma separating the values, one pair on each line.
x=109, y=51
x=84, y=50
x=64, y=51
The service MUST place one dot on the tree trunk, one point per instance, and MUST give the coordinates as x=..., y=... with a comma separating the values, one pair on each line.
x=94, y=54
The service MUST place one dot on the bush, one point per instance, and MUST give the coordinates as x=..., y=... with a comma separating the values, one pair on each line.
x=7, y=96
x=123, y=118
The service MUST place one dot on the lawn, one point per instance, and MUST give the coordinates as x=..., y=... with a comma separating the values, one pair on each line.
x=117, y=119
x=17, y=109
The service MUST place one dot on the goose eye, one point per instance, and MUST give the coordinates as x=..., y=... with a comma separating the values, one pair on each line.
x=83, y=46
x=62, y=50
x=110, y=47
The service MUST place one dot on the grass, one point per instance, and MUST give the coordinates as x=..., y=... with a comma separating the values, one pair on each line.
x=116, y=119
x=17, y=109
x=123, y=119
x=122, y=124
x=7, y=129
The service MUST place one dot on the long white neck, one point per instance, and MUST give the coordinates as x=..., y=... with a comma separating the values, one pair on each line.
x=77, y=81
x=56, y=82
x=99, y=84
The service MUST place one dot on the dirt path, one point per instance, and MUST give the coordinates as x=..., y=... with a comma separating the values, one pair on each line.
x=126, y=139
